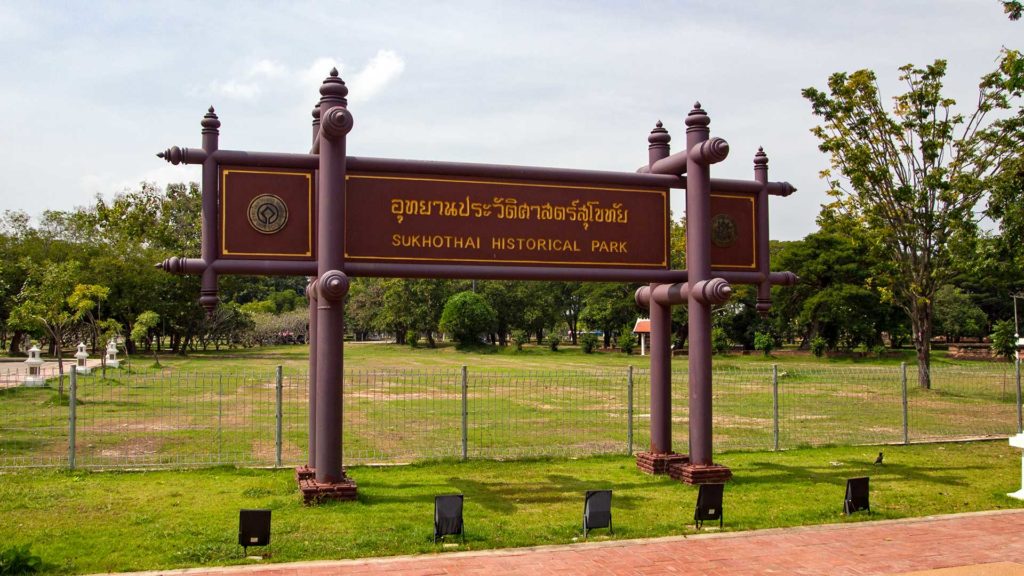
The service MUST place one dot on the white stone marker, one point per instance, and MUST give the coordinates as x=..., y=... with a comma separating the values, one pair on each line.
x=1018, y=442
x=80, y=359
x=35, y=378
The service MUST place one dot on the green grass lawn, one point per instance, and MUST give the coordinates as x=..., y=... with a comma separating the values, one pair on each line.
x=116, y=521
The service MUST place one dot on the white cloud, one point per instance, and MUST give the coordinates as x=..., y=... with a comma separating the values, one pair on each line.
x=235, y=89
x=268, y=69
x=380, y=71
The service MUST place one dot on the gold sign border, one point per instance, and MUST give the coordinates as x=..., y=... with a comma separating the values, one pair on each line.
x=223, y=215
x=753, y=229
x=575, y=263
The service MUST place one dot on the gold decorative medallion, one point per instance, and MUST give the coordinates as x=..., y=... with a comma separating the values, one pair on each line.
x=723, y=231
x=267, y=214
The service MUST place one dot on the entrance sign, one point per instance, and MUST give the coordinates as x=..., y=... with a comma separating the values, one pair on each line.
x=328, y=216
x=449, y=219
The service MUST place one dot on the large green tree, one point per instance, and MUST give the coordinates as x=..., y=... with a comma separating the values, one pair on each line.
x=914, y=175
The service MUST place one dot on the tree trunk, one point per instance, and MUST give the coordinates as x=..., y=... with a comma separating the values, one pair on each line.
x=15, y=348
x=921, y=323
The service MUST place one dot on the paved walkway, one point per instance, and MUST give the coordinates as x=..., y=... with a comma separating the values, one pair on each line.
x=981, y=543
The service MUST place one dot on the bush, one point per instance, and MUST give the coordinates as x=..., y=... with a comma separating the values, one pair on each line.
x=19, y=560
x=764, y=342
x=588, y=343
x=719, y=341
x=626, y=341
x=412, y=338
x=1003, y=342
x=818, y=346
x=466, y=316
x=553, y=342
x=520, y=337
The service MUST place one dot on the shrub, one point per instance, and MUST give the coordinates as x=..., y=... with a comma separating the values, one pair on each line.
x=626, y=341
x=520, y=337
x=764, y=341
x=19, y=560
x=818, y=346
x=412, y=338
x=588, y=343
x=1003, y=342
x=466, y=315
x=719, y=340
x=553, y=342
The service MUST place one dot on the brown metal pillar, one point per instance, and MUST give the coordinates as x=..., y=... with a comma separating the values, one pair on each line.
x=208, y=286
x=661, y=377
x=332, y=284
x=764, y=289
x=698, y=267
x=700, y=469
x=311, y=295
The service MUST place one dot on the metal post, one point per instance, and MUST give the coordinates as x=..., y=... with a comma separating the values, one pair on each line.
x=220, y=418
x=661, y=377
x=311, y=376
x=332, y=283
x=280, y=416
x=903, y=383
x=775, y=407
x=465, y=413
x=1020, y=420
x=629, y=409
x=72, y=409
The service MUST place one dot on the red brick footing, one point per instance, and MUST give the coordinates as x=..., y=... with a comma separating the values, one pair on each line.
x=304, y=473
x=314, y=492
x=652, y=463
x=698, y=474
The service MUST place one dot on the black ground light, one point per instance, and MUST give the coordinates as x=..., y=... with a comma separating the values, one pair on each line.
x=253, y=528
x=856, y=495
x=709, y=504
x=597, y=511
x=448, y=516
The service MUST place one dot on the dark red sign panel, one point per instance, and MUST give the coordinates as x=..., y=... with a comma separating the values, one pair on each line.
x=426, y=219
x=267, y=214
x=733, y=231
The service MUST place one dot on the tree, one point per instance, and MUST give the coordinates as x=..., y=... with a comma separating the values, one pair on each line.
x=913, y=177
x=1013, y=9
x=144, y=324
x=43, y=302
x=466, y=316
x=956, y=315
x=1004, y=340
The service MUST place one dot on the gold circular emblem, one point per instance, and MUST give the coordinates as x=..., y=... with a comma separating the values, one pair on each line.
x=267, y=214
x=723, y=230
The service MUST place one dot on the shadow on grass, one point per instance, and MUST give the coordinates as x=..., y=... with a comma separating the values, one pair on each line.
x=775, y=473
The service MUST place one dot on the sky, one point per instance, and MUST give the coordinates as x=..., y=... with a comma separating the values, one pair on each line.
x=91, y=90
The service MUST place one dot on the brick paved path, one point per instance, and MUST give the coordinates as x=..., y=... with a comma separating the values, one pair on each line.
x=883, y=547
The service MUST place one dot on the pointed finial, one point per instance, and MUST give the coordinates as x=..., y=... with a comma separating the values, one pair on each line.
x=210, y=122
x=334, y=88
x=760, y=159
x=697, y=119
x=659, y=136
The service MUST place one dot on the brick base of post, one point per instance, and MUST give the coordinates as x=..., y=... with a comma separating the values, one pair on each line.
x=655, y=463
x=314, y=492
x=698, y=474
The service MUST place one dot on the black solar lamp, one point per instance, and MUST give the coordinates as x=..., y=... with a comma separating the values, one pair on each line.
x=709, y=504
x=253, y=528
x=856, y=495
x=597, y=511
x=448, y=516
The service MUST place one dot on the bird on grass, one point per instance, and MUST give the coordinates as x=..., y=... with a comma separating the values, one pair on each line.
x=879, y=459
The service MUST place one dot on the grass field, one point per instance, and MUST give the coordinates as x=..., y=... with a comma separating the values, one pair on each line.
x=404, y=404
x=86, y=522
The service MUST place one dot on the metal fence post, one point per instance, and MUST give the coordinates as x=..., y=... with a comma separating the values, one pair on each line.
x=775, y=407
x=1020, y=415
x=903, y=383
x=220, y=418
x=279, y=414
x=629, y=410
x=465, y=413
x=72, y=409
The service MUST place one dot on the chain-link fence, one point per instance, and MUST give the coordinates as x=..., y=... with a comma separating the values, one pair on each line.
x=175, y=418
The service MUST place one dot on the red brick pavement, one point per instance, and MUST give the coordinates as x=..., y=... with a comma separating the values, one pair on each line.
x=882, y=547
